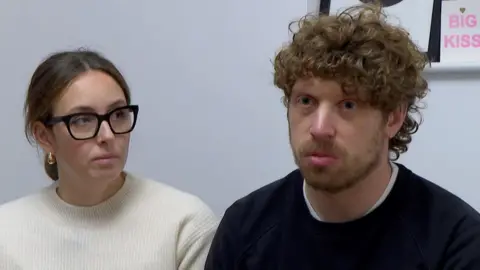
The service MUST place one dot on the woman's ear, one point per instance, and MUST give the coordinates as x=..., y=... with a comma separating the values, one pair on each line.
x=44, y=137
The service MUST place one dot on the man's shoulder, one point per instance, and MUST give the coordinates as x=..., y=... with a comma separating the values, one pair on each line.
x=433, y=213
x=440, y=200
x=445, y=227
x=264, y=207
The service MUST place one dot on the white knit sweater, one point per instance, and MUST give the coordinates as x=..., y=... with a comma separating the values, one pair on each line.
x=146, y=225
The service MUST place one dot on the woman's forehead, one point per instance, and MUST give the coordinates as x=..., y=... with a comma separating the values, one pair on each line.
x=92, y=91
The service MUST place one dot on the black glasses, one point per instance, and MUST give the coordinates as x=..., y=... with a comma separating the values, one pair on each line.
x=84, y=126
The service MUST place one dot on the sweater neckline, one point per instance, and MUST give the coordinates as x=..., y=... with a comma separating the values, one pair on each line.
x=89, y=215
x=390, y=206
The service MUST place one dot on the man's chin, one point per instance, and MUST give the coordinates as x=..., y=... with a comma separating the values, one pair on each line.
x=329, y=186
x=320, y=170
x=326, y=179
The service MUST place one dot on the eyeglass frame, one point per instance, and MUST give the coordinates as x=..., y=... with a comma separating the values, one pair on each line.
x=100, y=119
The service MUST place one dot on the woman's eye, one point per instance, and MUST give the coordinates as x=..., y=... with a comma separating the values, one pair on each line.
x=119, y=114
x=81, y=120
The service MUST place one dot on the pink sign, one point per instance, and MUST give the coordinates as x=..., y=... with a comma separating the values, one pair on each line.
x=459, y=21
x=460, y=31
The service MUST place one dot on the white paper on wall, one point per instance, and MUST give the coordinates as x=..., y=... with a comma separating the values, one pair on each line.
x=460, y=39
x=413, y=15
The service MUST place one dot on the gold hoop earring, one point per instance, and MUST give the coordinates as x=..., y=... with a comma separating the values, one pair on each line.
x=50, y=159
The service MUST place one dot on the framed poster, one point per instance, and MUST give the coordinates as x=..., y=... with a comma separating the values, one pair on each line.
x=460, y=31
x=422, y=18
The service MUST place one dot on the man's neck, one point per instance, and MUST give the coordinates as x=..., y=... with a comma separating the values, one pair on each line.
x=87, y=193
x=352, y=203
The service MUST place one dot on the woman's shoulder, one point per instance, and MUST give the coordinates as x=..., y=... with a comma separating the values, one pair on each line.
x=159, y=194
x=22, y=210
x=164, y=204
x=22, y=204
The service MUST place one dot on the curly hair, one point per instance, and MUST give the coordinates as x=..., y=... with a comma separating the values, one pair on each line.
x=370, y=58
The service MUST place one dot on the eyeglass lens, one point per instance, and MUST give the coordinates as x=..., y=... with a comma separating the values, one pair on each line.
x=85, y=126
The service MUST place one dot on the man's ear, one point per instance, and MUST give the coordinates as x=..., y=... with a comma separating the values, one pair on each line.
x=43, y=136
x=395, y=120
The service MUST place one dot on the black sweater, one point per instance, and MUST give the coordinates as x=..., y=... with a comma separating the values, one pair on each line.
x=418, y=226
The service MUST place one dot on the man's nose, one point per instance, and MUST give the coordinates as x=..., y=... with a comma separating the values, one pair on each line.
x=322, y=126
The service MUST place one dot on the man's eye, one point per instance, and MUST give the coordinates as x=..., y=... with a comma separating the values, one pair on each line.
x=348, y=104
x=304, y=100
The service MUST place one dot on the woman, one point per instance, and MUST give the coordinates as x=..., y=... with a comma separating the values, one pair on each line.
x=95, y=215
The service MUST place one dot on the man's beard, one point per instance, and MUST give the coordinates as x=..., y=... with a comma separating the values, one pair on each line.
x=346, y=172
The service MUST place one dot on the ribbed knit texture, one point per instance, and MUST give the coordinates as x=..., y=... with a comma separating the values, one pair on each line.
x=146, y=225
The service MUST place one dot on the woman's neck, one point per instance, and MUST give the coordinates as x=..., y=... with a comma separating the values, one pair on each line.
x=88, y=193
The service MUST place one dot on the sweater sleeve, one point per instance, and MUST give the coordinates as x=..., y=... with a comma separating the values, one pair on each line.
x=6, y=262
x=464, y=249
x=195, y=237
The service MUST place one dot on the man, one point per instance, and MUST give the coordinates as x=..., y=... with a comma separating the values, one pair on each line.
x=385, y=3
x=351, y=83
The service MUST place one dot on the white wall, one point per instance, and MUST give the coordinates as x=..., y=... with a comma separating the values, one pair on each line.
x=446, y=148
x=211, y=121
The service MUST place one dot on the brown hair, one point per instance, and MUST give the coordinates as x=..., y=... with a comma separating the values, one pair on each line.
x=361, y=51
x=49, y=81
